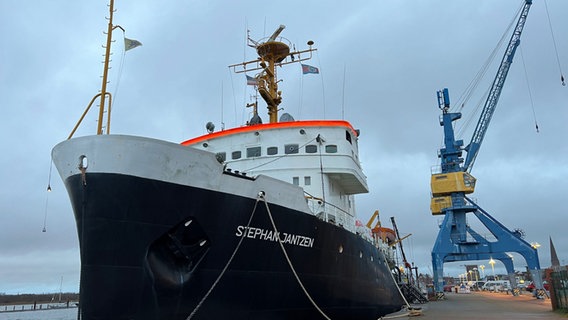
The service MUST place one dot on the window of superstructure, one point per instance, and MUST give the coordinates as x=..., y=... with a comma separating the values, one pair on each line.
x=253, y=152
x=311, y=148
x=307, y=180
x=348, y=136
x=291, y=148
x=296, y=181
x=221, y=156
x=271, y=151
x=331, y=148
x=235, y=155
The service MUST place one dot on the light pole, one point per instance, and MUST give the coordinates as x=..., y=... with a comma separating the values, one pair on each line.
x=482, y=267
x=492, y=263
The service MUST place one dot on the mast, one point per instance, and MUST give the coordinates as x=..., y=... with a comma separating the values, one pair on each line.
x=103, y=94
x=272, y=53
x=105, y=73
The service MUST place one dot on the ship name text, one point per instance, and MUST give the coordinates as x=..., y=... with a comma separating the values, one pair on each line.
x=270, y=235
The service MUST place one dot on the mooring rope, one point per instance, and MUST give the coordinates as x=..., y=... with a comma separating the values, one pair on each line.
x=261, y=195
x=411, y=312
x=192, y=314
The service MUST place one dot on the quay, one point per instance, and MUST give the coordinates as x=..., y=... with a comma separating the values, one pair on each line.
x=487, y=305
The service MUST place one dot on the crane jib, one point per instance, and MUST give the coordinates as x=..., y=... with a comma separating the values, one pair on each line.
x=495, y=91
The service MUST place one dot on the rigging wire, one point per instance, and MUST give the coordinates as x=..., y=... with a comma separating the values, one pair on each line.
x=234, y=97
x=47, y=196
x=280, y=157
x=301, y=93
x=322, y=86
x=477, y=79
x=555, y=48
x=343, y=94
x=529, y=89
x=120, y=68
x=472, y=86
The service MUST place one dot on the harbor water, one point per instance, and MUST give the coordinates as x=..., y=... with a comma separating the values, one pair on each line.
x=45, y=314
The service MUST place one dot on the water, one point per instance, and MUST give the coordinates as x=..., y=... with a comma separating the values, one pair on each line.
x=46, y=314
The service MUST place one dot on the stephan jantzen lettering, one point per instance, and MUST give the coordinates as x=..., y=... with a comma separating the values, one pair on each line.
x=271, y=235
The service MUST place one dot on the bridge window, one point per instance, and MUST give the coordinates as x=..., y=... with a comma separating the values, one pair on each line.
x=291, y=148
x=253, y=152
x=296, y=181
x=307, y=180
x=331, y=148
x=271, y=151
x=348, y=136
x=311, y=148
x=236, y=155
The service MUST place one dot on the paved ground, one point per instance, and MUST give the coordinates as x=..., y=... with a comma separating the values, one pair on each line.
x=486, y=305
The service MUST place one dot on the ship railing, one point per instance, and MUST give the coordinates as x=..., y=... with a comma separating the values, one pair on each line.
x=330, y=213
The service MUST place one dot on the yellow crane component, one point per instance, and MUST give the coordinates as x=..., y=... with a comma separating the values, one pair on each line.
x=437, y=204
x=399, y=240
x=444, y=184
x=373, y=217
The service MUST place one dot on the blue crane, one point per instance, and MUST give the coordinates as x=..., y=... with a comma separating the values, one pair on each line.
x=456, y=240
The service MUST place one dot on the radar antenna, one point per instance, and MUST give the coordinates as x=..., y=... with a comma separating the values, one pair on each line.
x=272, y=53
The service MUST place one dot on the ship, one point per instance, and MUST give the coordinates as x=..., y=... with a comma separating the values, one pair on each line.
x=252, y=222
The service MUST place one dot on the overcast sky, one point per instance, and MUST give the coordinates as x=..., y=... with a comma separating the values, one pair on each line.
x=381, y=63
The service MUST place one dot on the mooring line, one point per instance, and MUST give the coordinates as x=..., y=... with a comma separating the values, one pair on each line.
x=261, y=195
x=192, y=314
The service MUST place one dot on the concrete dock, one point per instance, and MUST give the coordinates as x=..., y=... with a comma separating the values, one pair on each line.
x=487, y=305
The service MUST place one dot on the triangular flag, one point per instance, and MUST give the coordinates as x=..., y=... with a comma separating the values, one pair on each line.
x=131, y=44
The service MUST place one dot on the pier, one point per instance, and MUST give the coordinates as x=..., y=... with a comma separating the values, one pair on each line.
x=488, y=305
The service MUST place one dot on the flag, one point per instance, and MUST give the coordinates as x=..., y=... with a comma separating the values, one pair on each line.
x=131, y=44
x=309, y=69
x=251, y=81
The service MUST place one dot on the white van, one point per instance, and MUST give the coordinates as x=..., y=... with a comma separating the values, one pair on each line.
x=497, y=285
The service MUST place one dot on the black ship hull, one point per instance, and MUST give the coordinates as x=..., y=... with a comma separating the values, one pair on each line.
x=155, y=249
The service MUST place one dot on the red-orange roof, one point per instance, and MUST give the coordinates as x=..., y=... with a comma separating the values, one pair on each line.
x=269, y=126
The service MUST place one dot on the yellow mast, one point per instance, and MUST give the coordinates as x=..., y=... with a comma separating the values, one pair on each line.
x=103, y=94
x=271, y=54
x=105, y=72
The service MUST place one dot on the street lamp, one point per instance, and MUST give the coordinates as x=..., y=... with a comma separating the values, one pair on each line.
x=469, y=278
x=476, y=277
x=482, y=267
x=492, y=263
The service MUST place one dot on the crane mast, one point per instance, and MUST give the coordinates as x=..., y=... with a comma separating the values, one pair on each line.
x=457, y=240
x=495, y=91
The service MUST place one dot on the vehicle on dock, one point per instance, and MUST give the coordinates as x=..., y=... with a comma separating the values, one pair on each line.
x=497, y=285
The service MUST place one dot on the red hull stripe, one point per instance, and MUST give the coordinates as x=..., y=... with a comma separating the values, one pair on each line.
x=271, y=126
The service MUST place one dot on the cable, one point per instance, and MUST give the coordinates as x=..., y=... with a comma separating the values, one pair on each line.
x=529, y=90
x=555, y=48
x=192, y=314
x=290, y=262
